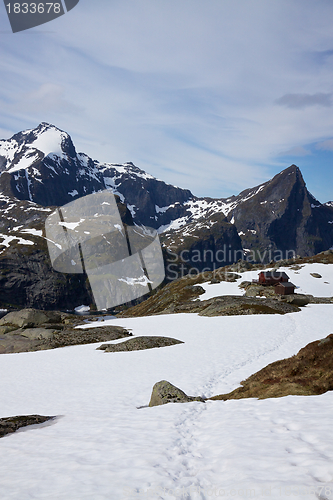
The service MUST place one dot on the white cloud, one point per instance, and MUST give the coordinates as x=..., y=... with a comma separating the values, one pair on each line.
x=304, y=100
x=325, y=145
x=47, y=98
x=186, y=90
x=296, y=151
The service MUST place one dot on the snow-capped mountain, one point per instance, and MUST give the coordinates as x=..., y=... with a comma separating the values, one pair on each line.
x=41, y=165
x=45, y=168
x=40, y=168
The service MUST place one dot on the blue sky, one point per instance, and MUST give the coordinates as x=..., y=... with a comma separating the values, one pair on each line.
x=215, y=96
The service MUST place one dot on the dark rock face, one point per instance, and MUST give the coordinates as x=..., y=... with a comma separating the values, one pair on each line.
x=9, y=425
x=205, y=246
x=283, y=216
x=27, y=278
x=41, y=169
x=55, y=179
x=139, y=344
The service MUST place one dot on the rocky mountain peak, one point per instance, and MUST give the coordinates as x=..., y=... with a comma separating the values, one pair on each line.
x=29, y=147
x=41, y=165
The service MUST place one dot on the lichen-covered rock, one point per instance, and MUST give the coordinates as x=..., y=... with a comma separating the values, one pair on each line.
x=257, y=290
x=139, y=344
x=244, y=284
x=230, y=305
x=164, y=392
x=29, y=318
x=316, y=275
x=50, y=335
x=36, y=333
x=297, y=299
x=7, y=328
x=12, y=424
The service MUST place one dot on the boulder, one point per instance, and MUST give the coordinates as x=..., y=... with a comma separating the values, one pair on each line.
x=244, y=284
x=139, y=344
x=316, y=275
x=7, y=329
x=29, y=318
x=51, y=335
x=164, y=392
x=297, y=299
x=36, y=333
x=255, y=289
x=12, y=424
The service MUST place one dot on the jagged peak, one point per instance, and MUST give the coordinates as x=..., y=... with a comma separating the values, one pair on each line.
x=29, y=144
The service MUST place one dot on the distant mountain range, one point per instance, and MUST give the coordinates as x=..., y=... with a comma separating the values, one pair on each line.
x=40, y=169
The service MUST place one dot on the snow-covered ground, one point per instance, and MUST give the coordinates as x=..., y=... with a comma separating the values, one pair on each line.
x=305, y=283
x=102, y=446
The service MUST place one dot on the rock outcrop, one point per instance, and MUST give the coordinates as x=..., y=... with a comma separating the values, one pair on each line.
x=139, y=344
x=9, y=425
x=164, y=392
x=32, y=330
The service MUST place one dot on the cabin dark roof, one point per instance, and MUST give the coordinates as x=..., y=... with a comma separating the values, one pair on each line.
x=275, y=274
x=286, y=285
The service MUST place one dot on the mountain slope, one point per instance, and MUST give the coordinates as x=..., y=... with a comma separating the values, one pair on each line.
x=284, y=216
x=42, y=165
x=41, y=169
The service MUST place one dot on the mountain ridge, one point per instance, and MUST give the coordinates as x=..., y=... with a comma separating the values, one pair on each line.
x=40, y=169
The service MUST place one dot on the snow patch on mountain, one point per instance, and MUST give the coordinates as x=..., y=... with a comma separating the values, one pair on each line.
x=50, y=142
x=6, y=240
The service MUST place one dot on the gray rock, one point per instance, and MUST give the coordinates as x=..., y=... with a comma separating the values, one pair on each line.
x=7, y=328
x=139, y=344
x=28, y=318
x=164, y=392
x=244, y=284
x=254, y=290
x=54, y=335
x=316, y=275
x=296, y=299
x=234, y=305
x=36, y=333
x=12, y=424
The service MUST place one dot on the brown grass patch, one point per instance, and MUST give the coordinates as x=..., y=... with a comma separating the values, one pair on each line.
x=310, y=372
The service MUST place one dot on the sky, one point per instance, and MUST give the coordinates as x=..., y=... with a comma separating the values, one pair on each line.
x=214, y=96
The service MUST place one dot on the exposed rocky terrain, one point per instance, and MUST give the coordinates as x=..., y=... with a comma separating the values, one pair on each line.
x=139, y=344
x=8, y=425
x=182, y=295
x=32, y=330
x=309, y=372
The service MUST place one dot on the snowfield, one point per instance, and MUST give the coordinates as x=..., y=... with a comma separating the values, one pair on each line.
x=102, y=446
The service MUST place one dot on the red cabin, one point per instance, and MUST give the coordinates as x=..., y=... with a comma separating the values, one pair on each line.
x=284, y=288
x=273, y=277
